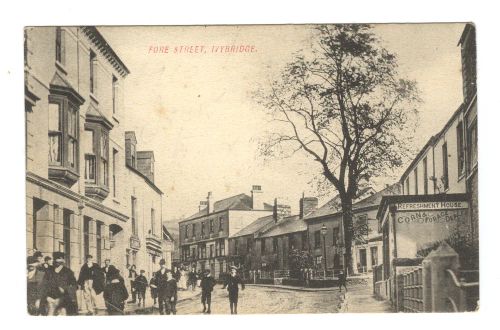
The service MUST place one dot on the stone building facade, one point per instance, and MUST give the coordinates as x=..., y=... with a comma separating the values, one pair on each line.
x=81, y=195
x=203, y=237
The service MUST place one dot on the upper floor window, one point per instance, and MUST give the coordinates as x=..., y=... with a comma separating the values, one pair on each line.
x=135, y=227
x=92, y=67
x=114, y=91
x=317, y=239
x=460, y=148
x=221, y=223
x=153, y=222
x=472, y=144
x=186, y=231
x=90, y=160
x=60, y=49
x=211, y=226
x=336, y=234
x=96, y=155
x=63, y=133
x=202, y=229
x=193, y=230
x=445, y=178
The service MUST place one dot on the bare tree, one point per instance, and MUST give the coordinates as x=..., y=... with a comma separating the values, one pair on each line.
x=343, y=103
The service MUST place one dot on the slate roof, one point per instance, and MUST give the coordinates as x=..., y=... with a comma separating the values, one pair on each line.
x=333, y=206
x=241, y=202
x=288, y=225
x=256, y=226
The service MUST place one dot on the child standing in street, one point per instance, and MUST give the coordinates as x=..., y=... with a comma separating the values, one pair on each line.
x=207, y=286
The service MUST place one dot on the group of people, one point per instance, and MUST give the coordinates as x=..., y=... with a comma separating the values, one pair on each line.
x=52, y=286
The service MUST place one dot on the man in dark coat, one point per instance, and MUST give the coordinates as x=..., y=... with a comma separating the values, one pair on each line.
x=342, y=281
x=141, y=284
x=106, y=269
x=207, y=286
x=59, y=288
x=153, y=289
x=115, y=292
x=91, y=281
x=167, y=289
x=232, y=282
x=192, y=279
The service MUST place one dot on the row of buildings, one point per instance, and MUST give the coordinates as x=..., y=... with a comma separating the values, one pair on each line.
x=434, y=200
x=89, y=189
x=246, y=232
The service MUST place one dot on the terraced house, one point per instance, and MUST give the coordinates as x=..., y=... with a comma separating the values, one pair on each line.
x=88, y=190
x=204, y=235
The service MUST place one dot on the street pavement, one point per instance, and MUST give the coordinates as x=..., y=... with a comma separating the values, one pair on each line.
x=360, y=299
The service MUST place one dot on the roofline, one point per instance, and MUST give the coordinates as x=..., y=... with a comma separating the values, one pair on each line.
x=468, y=27
x=103, y=45
x=431, y=141
x=149, y=182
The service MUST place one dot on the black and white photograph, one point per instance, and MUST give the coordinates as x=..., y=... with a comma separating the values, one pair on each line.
x=251, y=169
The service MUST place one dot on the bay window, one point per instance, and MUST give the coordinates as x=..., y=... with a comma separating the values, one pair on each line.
x=96, y=156
x=63, y=136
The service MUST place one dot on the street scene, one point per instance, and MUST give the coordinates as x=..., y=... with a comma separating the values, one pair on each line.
x=257, y=169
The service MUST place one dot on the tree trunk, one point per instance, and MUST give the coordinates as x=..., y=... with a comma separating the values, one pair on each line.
x=348, y=235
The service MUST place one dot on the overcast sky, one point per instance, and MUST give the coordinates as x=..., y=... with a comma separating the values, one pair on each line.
x=195, y=112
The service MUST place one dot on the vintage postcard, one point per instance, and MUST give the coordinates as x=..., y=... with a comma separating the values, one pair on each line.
x=251, y=169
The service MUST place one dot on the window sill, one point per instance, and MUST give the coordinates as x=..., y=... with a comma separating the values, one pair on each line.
x=63, y=175
x=94, y=98
x=96, y=191
x=61, y=67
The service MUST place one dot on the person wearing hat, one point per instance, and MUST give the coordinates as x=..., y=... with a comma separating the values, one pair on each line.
x=35, y=278
x=91, y=281
x=167, y=289
x=47, y=263
x=59, y=288
x=115, y=292
x=141, y=283
x=342, y=281
x=207, y=286
x=232, y=282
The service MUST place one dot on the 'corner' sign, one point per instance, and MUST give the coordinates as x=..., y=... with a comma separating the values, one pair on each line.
x=444, y=205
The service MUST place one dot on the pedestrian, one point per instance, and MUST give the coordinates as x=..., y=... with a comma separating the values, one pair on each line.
x=141, y=284
x=342, y=281
x=232, y=282
x=167, y=289
x=153, y=289
x=39, y=257
x=115, y=292
x=207, y=286
x=58, y=287
x=91, y=281
x=106, y=269
x=132, y=275
x=35, y=278
x=192, y=279
x=47, y=263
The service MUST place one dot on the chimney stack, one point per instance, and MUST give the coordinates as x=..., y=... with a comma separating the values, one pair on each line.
x=280, y=211
x=307, y=205
x=257, y=198
x=203, y=205
x=210, y=203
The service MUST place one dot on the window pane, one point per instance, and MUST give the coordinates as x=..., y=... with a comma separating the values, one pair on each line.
x=54, y=117
x=72, y=123
x=71, y=152
x=90, y=168
x=104, y=144
x=104, y=172
x=54, y=149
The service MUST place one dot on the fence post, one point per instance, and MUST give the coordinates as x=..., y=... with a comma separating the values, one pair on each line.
x=441, y=259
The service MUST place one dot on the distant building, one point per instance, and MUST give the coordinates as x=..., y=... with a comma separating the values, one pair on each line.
x=168, y=248
x=266, y=243
x=203, y=237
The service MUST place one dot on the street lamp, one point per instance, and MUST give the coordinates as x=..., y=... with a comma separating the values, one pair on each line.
x=324, y=230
